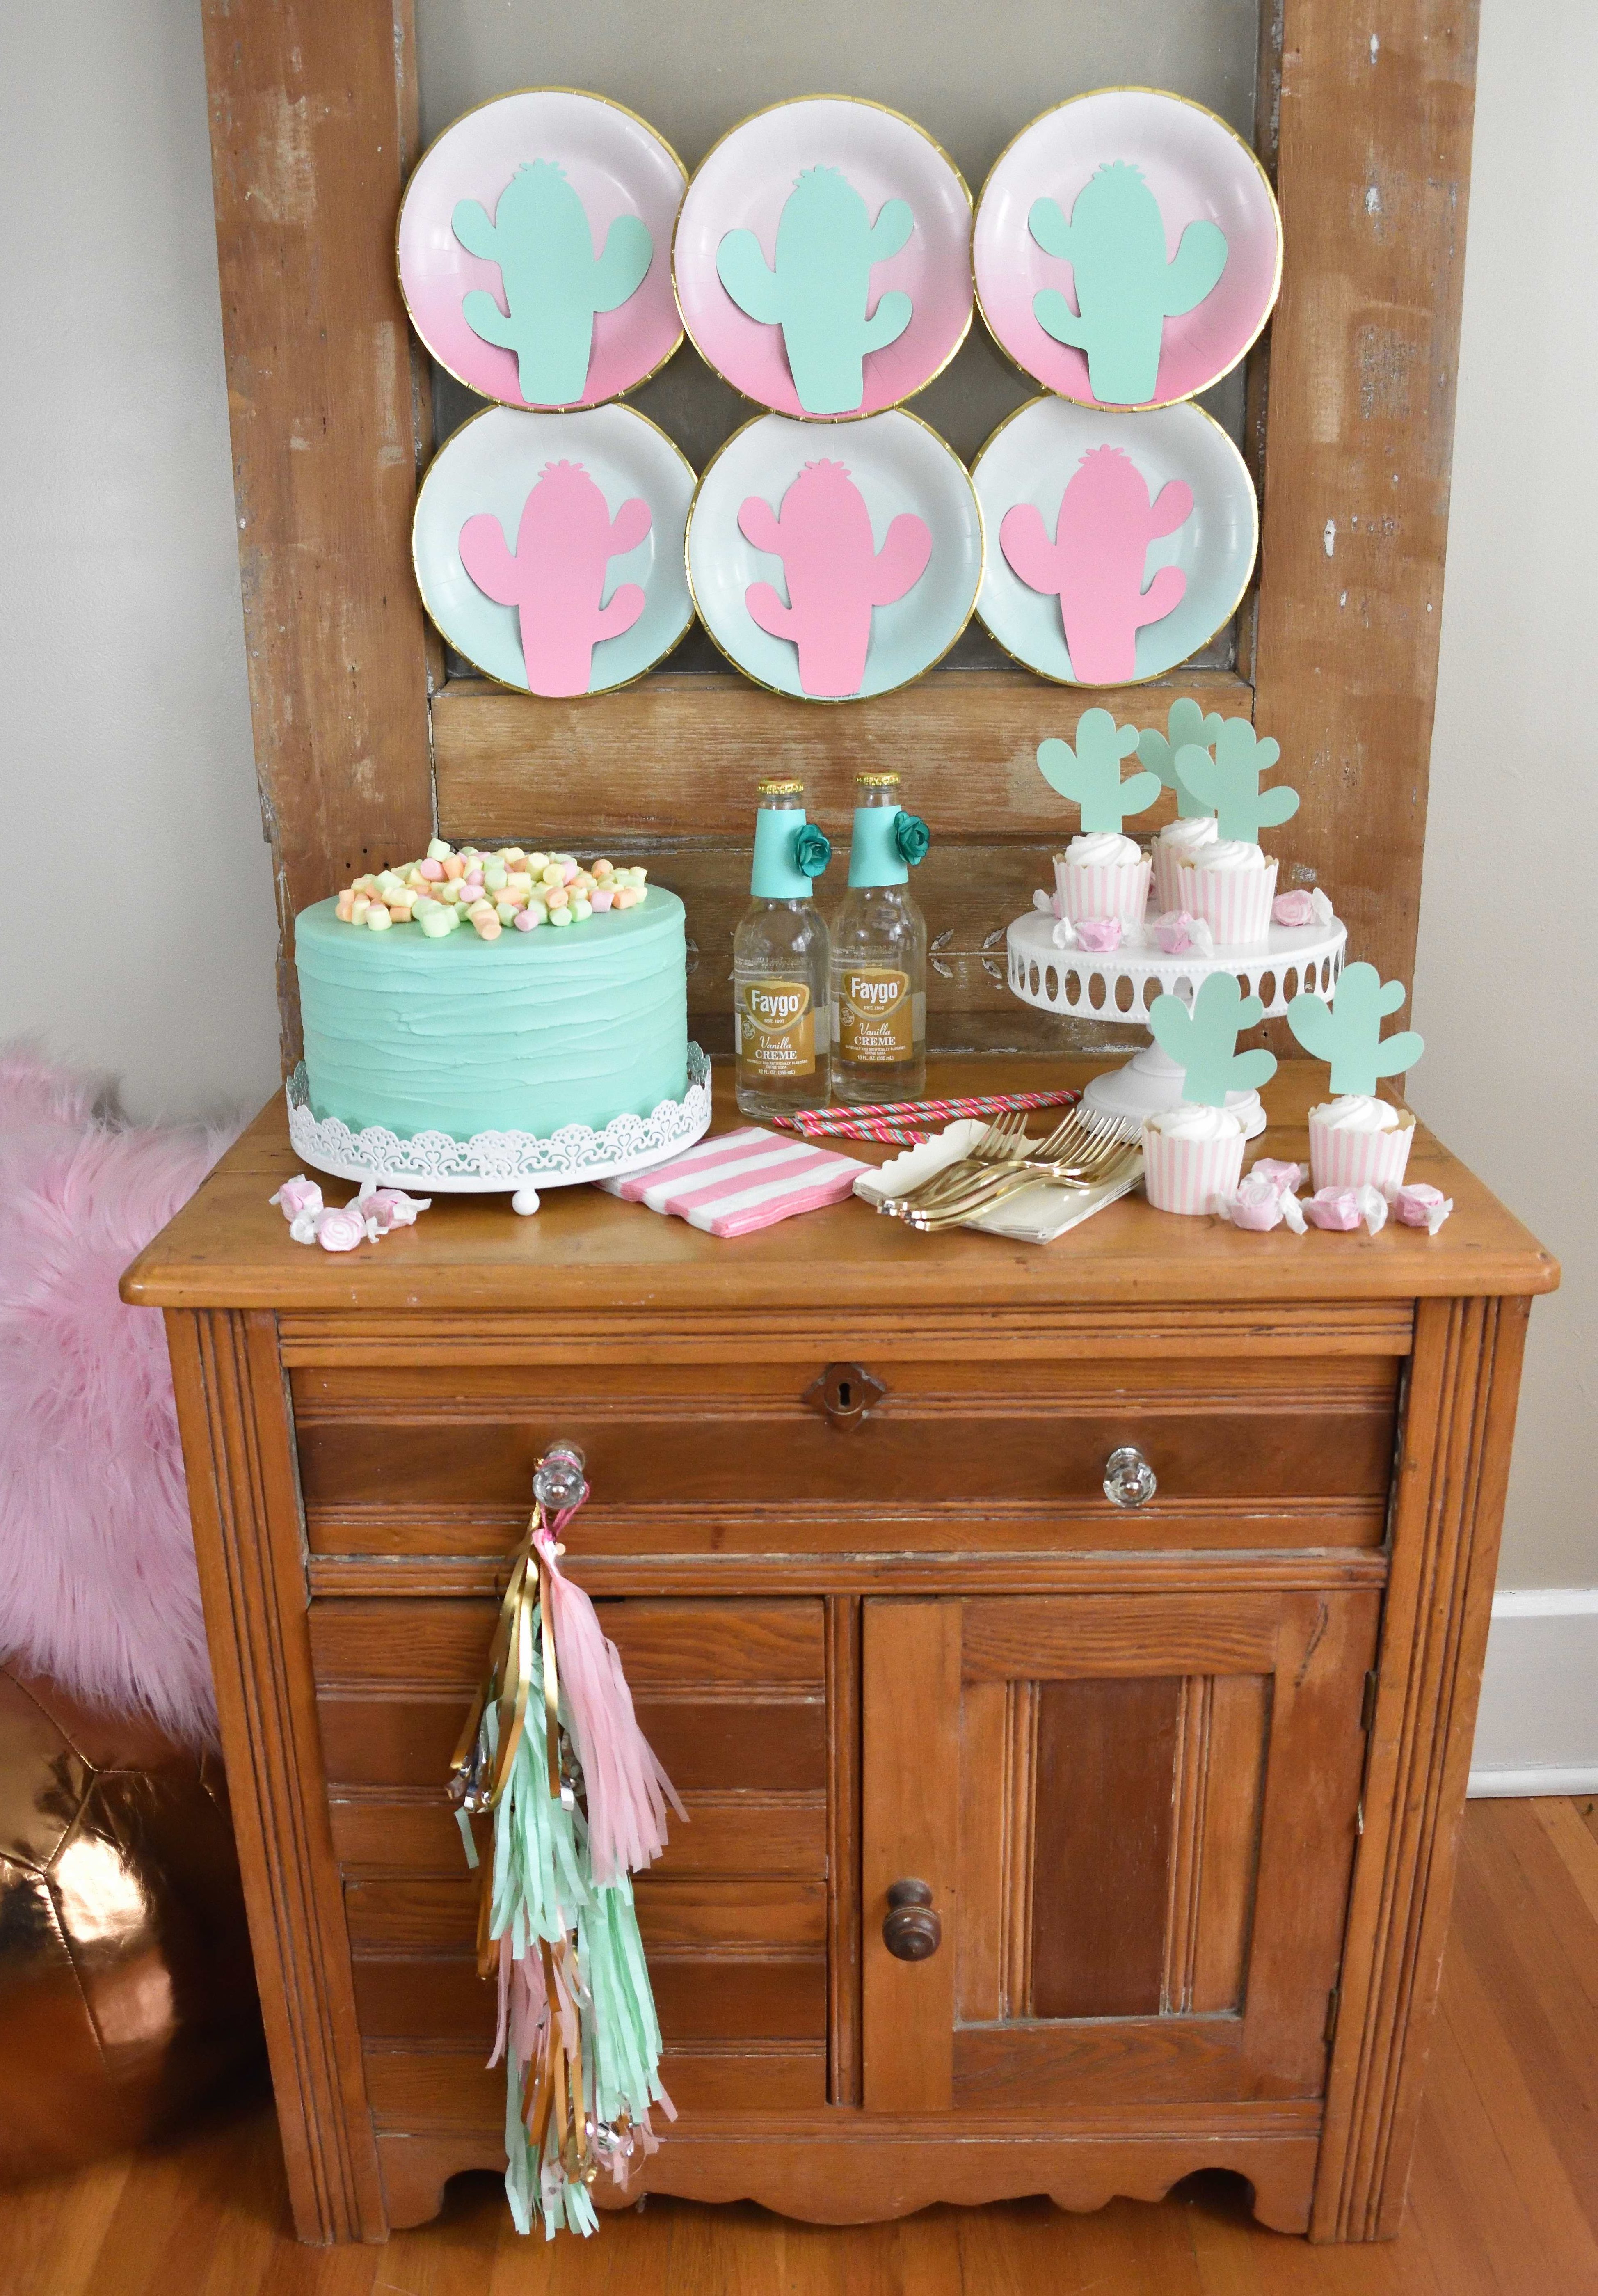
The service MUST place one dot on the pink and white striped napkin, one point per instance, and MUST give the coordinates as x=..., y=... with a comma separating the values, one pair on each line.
x=741, y=1180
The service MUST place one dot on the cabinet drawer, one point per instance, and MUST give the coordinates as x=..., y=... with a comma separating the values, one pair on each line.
x=744, y=1457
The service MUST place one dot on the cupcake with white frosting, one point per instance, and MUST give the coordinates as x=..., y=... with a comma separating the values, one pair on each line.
x=1191, y=1156
x=1178, y=842
x=1103, y=875
x=1231, y=883
x=1358, y=1141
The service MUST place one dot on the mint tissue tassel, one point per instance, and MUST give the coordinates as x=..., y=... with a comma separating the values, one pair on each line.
x=553, y=1750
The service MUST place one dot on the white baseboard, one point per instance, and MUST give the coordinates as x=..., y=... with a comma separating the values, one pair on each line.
x=1537, y=1729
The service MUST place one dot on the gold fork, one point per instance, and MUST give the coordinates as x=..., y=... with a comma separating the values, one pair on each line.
x=1118, y=1163
x=1004, y=1137
x=1081, y=1139
x=1103, y=1145
x=1004, y=1143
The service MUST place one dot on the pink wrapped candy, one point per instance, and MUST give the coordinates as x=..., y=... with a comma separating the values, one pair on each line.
x=340, y=1229
x=388, y=1208
x=1101, y=934
x=1419, y=1205
x=1344, y=1208
x=1181, y=935
x=296, y=1196
x=1266, y=1198
x=1302, y=906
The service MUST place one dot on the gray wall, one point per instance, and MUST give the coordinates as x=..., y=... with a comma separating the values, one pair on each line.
x=144, y=944
x=126, y=752
x=1507, y=984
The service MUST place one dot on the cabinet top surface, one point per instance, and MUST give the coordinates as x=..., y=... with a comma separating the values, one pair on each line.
x=230, y=1247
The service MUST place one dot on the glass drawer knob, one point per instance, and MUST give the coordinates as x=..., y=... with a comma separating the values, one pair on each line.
x=558, y=1481
x=1128, y=1478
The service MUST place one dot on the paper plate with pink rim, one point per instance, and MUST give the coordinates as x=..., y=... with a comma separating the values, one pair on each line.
x=535, y=248
x=868, y=295
x=836, y=565
x=548, y=548
x=1118, y=545
x=1127, y=249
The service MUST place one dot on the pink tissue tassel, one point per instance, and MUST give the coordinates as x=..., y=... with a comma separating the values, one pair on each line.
x=627, y=1789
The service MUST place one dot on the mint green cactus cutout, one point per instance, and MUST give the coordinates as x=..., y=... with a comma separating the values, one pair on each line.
x=1090, y=773
x=1188, y=728
x=1348, y=1032
x=818, y=290
x=554, y=281
x=1125, y=287
x=1202, y=1038
x=1229, y=781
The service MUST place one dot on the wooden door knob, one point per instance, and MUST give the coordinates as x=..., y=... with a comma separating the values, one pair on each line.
x=912, y=1930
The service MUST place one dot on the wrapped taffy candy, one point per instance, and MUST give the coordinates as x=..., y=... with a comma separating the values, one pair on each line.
x=446, y=889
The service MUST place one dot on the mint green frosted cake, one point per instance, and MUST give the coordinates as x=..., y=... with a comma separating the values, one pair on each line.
x=523, y=1031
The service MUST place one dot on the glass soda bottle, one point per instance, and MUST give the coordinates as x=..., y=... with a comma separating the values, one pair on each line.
x=780, y=963
x=879, y=992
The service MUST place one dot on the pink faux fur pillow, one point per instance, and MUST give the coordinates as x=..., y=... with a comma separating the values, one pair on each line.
x=97, y=1580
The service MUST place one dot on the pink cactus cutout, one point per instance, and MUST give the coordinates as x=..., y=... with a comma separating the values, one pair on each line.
x=1095, y=563
x=834, y=572
x=556, y=576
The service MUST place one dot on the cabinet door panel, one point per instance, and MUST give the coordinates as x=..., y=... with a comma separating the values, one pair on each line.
x=1101, y=1830
x=1140, y=1824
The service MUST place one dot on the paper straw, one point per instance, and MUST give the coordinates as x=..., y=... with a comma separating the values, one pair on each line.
x=920, y=1114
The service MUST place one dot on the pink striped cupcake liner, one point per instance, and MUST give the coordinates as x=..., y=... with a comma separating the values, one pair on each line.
x=741, y=1181
x=1092, y=890
x=1168, y=891
x=1187, y=1176
x=1235, y=904
x=1358, y=1159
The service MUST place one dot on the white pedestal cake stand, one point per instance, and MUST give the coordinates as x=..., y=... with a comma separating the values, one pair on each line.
x=1080, y=985
x=517, y=1164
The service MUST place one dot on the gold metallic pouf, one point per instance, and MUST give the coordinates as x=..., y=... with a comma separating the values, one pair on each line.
x=127, y=1994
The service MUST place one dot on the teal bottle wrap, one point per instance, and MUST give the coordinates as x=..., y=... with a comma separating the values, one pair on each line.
x=886, y=840
x=776, y=875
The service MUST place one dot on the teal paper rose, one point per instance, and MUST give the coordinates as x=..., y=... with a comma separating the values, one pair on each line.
x=913, y=838
x=811, y=851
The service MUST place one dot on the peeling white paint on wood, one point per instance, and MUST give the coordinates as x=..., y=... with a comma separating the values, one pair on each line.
x=1329, y=536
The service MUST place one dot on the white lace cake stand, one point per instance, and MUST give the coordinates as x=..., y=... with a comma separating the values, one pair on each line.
x=1080, y=985
x=513, y=1163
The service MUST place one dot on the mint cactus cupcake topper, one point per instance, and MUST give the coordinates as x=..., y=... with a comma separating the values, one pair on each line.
x=1348, y=1032
x=1202, y=1039
x=552, y=281
x=1228, y=778
x=1127, y=286
x=818, y=290
x=1188, y=728
x=1090, y=773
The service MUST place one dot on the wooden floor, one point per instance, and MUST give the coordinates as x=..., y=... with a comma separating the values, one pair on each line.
x=1504, y=2200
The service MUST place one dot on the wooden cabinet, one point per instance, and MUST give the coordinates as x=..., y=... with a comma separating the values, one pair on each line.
x=1172, y=1786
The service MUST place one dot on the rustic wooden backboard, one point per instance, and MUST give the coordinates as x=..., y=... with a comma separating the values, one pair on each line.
x=363, y=745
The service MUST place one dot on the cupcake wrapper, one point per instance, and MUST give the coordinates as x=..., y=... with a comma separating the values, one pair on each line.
x=1187, y=1176
x=1358, y=1159
x=1235, y=904
x=1120, y=890
x=1167, y=889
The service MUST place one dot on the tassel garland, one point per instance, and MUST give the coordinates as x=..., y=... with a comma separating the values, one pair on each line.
x=578, y=1803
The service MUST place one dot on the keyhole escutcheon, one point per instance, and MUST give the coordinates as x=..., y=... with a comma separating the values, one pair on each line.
x=844, y=1393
